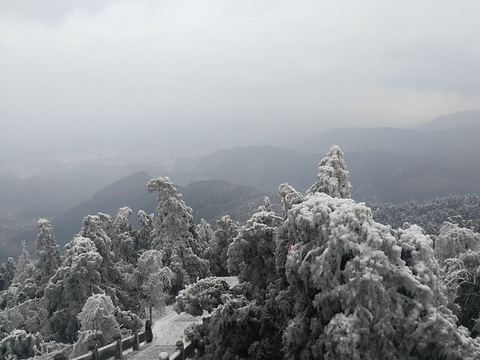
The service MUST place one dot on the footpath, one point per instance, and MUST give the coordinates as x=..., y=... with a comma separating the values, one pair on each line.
x=167, y=330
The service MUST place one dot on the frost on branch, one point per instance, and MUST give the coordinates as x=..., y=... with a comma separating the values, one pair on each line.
x=154, y=279
x=174, y=235
x=227, y=230
x=454, y=240
x=23, y=286
x=20, y=345
x=462, y=276
x=144, y=235
x=364, y=291
x=97, y=324
x=47, y=251
x=74, y=282
x=290, y=197
x=7, y=273
x=332, y=175
x=204, y=295
x=251, y=255
x=205, y=236
x=123, y=237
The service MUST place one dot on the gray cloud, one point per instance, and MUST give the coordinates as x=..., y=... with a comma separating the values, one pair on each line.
x=248, y=70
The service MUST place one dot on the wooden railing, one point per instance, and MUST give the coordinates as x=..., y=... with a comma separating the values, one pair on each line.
x=115, y=349
x=182, y=351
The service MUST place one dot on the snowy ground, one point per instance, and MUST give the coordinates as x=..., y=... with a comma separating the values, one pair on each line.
x=167, y=330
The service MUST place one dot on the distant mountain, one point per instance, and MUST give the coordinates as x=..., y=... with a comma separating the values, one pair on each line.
x=211, y=199
x=262, y=167
x=451, y=121
x=445, y=134
x=377, y=176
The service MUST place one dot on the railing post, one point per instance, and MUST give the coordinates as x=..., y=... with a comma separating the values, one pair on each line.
x=180, y=347
x=96, y=356
x=137, y=342
x=163, y=356
x=190, y=337
x=118, y=339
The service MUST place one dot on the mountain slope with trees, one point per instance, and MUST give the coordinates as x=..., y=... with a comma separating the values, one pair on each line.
x=318, y=279
x=326, y=281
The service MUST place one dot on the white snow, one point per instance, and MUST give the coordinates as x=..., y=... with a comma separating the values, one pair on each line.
x=167, y=330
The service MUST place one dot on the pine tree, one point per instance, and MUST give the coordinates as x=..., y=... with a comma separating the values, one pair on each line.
x=7, y=273
x=251, y=255
x=144, y=235
x=333, y=175
x=74, y=282
x=95, y=228
x=123, y=237
x=454, y=240
x=25, y=268
x=153, y=278
x=290, y=197
x=227, y=230
x=205, y=236
x=23, y=286
x=47, y=251
x=174, y=235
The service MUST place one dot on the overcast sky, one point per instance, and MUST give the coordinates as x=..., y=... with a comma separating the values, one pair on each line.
x=248, y=70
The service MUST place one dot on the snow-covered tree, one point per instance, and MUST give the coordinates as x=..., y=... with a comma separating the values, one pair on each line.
x=227, y=230
x=359, y=290
x=205, y=236
x=94, y=228
x=7, y=273
x=47, y=251
x=251, y=255
x=144, y=235
x=454, y=240
x=174, y=235
x=106, y=223
x=98, y=314
x=290, y=197
x=97, y=323
x=152, y=278
x=205, y=295
x=19, y=345
x=23, y=286
x=5, y=327
x=333, y=175
x=462, y=278
x=25, y=268
x=74, y=282
x=123, y=238
x=239, y=328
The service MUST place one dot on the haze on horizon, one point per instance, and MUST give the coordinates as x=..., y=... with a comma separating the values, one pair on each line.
x=185, y=76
